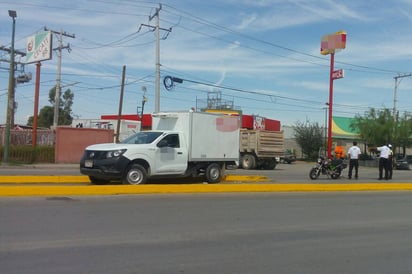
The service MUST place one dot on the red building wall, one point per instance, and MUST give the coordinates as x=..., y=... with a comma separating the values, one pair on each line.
x=71, y=142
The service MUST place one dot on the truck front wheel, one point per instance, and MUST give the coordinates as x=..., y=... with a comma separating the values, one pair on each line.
x=213, y=173
x=96, y=181
x=248, y=161
x=135, y=175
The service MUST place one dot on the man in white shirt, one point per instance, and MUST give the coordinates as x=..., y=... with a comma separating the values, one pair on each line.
x=383, y=160
x=390, y=162
x=353, y=153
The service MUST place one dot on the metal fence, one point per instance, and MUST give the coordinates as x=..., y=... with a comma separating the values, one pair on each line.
x=24, y=137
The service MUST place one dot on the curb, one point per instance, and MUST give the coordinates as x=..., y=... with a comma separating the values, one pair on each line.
x=81, y=179
x=91, y=190
x=49, y=179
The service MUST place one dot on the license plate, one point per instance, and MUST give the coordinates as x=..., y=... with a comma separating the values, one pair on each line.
x=88, y=163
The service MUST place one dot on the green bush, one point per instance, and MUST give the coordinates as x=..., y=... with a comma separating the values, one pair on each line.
x=28, y=155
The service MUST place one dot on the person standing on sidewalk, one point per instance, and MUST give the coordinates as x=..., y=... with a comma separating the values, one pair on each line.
x=383, y=161
x=390, y=162
x=354, y=152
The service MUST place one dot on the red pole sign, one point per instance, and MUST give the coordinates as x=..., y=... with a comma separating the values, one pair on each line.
x=337, y=74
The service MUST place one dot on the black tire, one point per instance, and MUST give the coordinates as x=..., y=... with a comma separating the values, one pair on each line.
x=96, y=181
x=269, y=164
x=314, y=173
x=335, y=175
x=213, y=173
x=248, y=161
x=135, y=175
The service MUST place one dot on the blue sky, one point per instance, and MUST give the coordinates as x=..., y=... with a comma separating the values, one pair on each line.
x=264, y=55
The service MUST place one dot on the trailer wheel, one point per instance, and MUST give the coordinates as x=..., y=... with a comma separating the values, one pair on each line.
x=135, y=175
x=96, y=181
x=213, y=173
x=248, y=161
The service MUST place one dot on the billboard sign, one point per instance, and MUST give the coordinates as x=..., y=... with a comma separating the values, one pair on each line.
x=39, y=47
x=332, y=42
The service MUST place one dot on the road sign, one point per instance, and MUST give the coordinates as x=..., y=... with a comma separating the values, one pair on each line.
x=337, y=74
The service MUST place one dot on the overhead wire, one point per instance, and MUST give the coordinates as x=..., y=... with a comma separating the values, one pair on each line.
x=252, y=38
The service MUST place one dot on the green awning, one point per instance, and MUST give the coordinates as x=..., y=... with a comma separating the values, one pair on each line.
x=341, y=128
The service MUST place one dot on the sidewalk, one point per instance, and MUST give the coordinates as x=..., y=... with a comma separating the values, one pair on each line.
x=39, y=169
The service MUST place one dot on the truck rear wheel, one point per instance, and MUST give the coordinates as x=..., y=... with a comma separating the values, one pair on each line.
x=248, y=161
x=269, y=164
x=135, y=175
x=213, y=173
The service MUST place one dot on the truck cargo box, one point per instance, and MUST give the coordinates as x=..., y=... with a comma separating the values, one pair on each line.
x=263, y=143
x=210, y=137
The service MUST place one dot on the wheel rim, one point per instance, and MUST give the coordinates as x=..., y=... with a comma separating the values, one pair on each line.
x=214, y=173
x=134, y=177
x=248, y=162
x=314, y=173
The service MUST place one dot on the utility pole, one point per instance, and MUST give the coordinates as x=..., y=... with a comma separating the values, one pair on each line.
x=157, y=29
x=119, y=116
x=22, y=78
x=59, y=49
x=13, y=15
x=395, y=95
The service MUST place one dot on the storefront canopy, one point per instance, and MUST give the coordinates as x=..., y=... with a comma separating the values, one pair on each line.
x=341, y=128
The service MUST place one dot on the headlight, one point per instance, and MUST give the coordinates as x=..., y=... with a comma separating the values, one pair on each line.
x=115, y=153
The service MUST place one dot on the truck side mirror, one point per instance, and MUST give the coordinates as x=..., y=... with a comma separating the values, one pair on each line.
x=162, y=143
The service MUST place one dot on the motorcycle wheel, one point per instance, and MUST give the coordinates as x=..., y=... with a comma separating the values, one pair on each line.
x=335, y=175
x=314, y=173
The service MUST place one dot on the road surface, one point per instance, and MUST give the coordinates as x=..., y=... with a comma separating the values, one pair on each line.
x=261, y=233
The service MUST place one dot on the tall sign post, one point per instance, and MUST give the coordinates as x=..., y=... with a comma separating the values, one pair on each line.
x=38, y=48
x=330, y=44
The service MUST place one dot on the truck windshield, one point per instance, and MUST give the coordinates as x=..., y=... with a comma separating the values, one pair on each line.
x=143, y=137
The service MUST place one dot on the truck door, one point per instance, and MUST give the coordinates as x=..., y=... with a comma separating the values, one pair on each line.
x=171, y=156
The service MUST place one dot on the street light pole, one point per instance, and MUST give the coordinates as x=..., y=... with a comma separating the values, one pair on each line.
x=10, y=101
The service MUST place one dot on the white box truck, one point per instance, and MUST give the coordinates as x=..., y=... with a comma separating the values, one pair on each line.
x=180, y=144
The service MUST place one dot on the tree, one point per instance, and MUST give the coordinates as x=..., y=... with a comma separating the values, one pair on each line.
x=377, y=127
x=46, y=115
x=403, y=132
x=309, y=136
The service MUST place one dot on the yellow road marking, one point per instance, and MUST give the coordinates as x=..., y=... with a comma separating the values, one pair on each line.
x=53, y=190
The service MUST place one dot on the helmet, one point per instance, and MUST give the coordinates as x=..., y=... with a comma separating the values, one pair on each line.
x=390, y=145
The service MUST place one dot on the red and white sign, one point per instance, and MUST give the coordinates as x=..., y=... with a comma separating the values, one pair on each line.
x=39, y=47
x=337, y=74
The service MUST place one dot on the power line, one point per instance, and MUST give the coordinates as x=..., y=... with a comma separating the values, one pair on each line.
x=249, y=37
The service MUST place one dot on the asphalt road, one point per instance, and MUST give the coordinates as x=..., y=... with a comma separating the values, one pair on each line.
x=214, y=233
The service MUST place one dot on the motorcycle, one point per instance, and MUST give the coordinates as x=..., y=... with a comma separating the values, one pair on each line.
x=329, y=167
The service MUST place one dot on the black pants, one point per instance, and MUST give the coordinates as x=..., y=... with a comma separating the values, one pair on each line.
x=383, y=164
x=390, y=168
x=353, y=163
